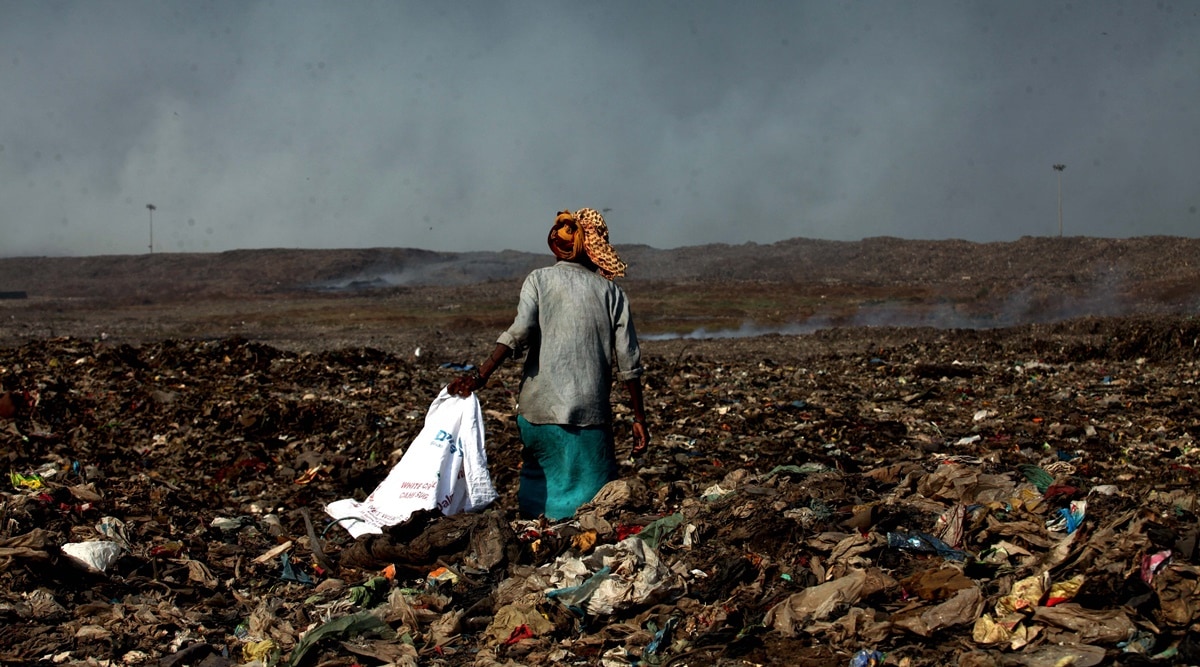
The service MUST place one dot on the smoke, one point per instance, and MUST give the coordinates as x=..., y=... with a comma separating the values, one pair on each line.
x=746, y=330
x=464, y=126
x=1033, y=304
x=440, y=269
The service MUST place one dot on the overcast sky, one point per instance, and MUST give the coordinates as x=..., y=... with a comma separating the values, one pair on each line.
x=467, y=125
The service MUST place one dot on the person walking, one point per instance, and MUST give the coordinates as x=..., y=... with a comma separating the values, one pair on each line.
x=573, y=325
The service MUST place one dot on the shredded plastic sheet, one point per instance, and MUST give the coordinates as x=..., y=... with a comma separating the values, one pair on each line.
x=613, y=578
x=924, y=542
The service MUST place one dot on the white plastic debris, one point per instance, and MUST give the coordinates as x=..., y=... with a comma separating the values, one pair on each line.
x=96, y=556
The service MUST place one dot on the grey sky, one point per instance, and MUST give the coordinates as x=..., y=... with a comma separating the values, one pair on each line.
x=466, y=125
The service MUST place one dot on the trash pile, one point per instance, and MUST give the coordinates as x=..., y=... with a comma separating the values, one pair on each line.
x=1021, y=496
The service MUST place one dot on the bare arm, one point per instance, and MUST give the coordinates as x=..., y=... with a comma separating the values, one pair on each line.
x=641, y=434
x=463, y=385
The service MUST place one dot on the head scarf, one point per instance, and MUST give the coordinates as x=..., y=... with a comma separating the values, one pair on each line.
x=566, y=237
x=586, y=231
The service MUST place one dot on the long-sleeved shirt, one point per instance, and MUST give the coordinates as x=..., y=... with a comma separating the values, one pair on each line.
x=572, y=324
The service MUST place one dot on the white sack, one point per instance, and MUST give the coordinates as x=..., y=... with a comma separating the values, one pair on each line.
x=445, y=467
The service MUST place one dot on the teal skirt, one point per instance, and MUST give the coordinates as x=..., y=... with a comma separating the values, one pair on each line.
x=563, y=467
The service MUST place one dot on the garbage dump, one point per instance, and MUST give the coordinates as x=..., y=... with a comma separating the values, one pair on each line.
x=866, y=496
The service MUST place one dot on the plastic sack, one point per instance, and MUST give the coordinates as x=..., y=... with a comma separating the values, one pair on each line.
x=445, y=467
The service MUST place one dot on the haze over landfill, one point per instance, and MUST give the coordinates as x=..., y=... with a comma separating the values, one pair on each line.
x=465, y=126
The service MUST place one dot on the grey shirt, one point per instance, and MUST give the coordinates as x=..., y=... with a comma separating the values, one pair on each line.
x=572, y=323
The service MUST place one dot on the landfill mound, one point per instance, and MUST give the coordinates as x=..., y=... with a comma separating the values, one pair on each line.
x=1020, y=496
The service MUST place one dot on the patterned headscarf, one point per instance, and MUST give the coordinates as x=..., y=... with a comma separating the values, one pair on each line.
x=585, y=230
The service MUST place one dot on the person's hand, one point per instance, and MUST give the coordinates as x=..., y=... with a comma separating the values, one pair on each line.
x=463, y=385
x=641, y=438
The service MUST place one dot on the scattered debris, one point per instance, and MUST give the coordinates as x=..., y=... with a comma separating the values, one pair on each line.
x=861, y=497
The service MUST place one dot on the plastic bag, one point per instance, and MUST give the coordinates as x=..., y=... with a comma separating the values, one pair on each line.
x=96, y=556
x=445, y=468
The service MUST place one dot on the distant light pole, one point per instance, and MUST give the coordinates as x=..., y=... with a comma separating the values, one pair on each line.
x=1059, y=168
x=152, y=208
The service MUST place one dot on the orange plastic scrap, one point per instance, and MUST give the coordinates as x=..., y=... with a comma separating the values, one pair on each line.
x=440, y=576
x=309, y=475
x=584, y=541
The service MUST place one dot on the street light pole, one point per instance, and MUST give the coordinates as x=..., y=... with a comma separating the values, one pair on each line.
x=152, y=208
x=1059, y=168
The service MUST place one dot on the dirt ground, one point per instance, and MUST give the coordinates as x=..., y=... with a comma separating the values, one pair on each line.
x=911, y=495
